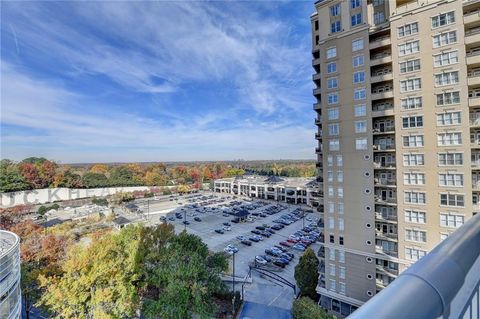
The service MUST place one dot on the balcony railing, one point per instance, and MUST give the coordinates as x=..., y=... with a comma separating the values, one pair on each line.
x=383, y=165
x=383, y=147
x=443, y=284
x=389, y=200
x=381, y=251
x=380, y=217
x=385, y=181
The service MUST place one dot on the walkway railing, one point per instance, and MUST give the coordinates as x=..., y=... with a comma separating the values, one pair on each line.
x=443, y=284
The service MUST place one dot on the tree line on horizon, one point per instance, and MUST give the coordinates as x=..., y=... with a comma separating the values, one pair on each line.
x=39, y=172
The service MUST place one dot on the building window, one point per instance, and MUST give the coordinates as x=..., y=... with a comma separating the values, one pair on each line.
x=361, y=144
x=409, y=103
x=335, y=26
x=360, y=110
x=450, y=159
x=356, y=19
x=412, y=121
x=410, y=66
x=416, y=235
x=410, y=85
x=331, y=52
x=340, y=208
x=341, y=224
x=340, y=176
x=330, y=160
x=408, y=29
x=448, y=118
x=450, y=179
x=332, y=240
x=341, y=288
x=331, y=207
x=455, y=200
x=360, y=126
x=447, y=139
x=332, y=98
x=341, y=272
x=332, y=83
x=413, y=141
x=355, y=3
x=332, y=67
x=340, y=192
x=443, y=19
x=330, y=177
x=333, y=129
x=333, y=113
x=379, y=17
x=331, y=252
x=357, y=45
x=340, y=240
x=451, y=220
x=334, y=145
x=331, y=223
x=339, y=160
x=414, y=197
x=445, y=58
x=333, y=285
x=358, y=61
x=448, y=98
x=341, y=256
x=335, y=10
x=359, y=77
x=332, y=269
x=377, y=3
x=446, y=78
x=413, y=160
x=414, y=216
x=413, y=179
x=444, y=38
x=414, y=254
x=359, y=94
x=409, y=48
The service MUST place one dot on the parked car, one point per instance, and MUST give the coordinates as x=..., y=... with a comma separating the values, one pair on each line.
x=260, y=260
x=242, y=238
x=171, y=218
x=286, y=244
x=267, y=258
x=259, y=237
x=219, y=231
x=299, y=247
x=260, y=228
x=232, y=248
x=254, y=239
x=279, y=263
x=227, y=224
x=186, y=222
x=197, y=219
x=235, y=220
x=257, y=232
x=246, y=242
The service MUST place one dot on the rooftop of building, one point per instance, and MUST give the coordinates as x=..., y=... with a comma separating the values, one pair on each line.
x=7, y=241
x=275, y=180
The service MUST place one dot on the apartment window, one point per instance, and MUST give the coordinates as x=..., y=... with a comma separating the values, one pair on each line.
x=448, y=118
x=340, y=192
x=361, y=144
x=410, y=66
x=378, y=17
x=444, y=38
x=340, y=176
x=333, y=113
x=332, y=83
x=446, y=78
x=359, y=77
x=331, y=207
x=330, y=191
x=414, y=197
x=360, y=126
x=451, y=220
x=332, y=98
x=359, y=94
x=450, y=179
x=448, y=98
x=455, y=200
x=340, y=208
x=357, y=45
x=410, y=85
x=409, y=103
x=414, y=179
x=358, y=61
x=355, y=3
x=377, y=3
x=413, y=141
x=335, y=10
x=414, y=254
x=331, y=253
x=341, y=288
x=447, y=139
x=332, y=269
x=334, y=145
x=330, y=160
x=332, y=67
x=413, y=160
x=341, y=256
x=333, y=285
x=333, y=129
x=416, y=235
x=443, y=19
x=407, y=29
x=414, y=216
x=356, y=19
x=341, y=224
x=360, y=110
x=409, y=48
x=445, y=58
x=331, y=223
x=412, y=121
x=450, y=159
x=339, y=160
x=335, y=26
x=341, y=272
x=330, y=177
x=340, y=240
x=331, y=52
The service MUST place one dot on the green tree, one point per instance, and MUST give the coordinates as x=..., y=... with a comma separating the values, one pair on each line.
x=123, y=176
x=306, y=273
x=34, y=160
x=90, y=179
x=100, y=201
x=11, y=180
x=306, y=308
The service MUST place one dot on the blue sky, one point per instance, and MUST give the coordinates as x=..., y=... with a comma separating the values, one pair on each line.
x=156, y=81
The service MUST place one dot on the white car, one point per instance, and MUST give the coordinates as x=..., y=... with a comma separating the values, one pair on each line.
x=260, y=260
x=227, y=228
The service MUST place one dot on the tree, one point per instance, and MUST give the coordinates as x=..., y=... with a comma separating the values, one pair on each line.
x=99, y=169
x=182, y=189
x=306, y=308
x=99, y=201
x=31, y=175
x=47, y=171
x=68, y=179
x=123, y=176
x=97, y=281
x=90, y=179
x=11, y=180
x=306, y=274
x=34, y=160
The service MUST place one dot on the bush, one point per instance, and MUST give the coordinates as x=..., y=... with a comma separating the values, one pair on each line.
x=306, y=308
x=54, y=206
x=42, y=210
x=100, y=201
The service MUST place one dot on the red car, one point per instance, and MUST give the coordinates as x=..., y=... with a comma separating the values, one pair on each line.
x=292, y=241
x=286, y=244
x=305, y=242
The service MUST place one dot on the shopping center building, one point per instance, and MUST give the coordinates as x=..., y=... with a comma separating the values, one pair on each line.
x=10, y=294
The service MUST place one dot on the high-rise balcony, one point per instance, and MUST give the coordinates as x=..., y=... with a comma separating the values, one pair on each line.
x=317, y=106
x=386, y=236
x=476, y=185
x=472, y=36
x=381, y=77
x=318, y=121
x=382, y=109
x=380, y=42
x=385, y=218
x=474, y=101
x=475, y=143
x=385, y=200
x=382, y=92
x=318, y=150
x=381, y=58
x=383, y=147
x=387, y=270
x=383, y=130
x=473, y=77
x=387, y=182
x=471, y=17
x=474, y=121
x=317, y=91
x=317, y=76
x=473, y=56
x=384, y=165
x=316, y=61
x=381, y=251
x=318, y=135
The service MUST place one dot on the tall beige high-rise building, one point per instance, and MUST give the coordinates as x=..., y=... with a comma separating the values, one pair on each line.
x=398, y=115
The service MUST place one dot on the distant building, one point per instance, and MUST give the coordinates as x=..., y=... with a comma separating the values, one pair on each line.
x=10, y=293
x=294, y=190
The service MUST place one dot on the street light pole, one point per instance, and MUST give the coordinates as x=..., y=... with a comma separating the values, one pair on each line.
x=185, y=220
x=233, y=285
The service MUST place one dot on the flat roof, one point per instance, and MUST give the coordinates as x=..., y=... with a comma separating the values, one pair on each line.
x=8, y=240
x=257, y=179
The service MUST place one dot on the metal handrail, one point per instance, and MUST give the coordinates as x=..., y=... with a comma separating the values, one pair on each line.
x=428, y=287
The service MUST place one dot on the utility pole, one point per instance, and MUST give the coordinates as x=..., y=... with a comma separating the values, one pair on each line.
x=233, y=285
x=185, y=220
